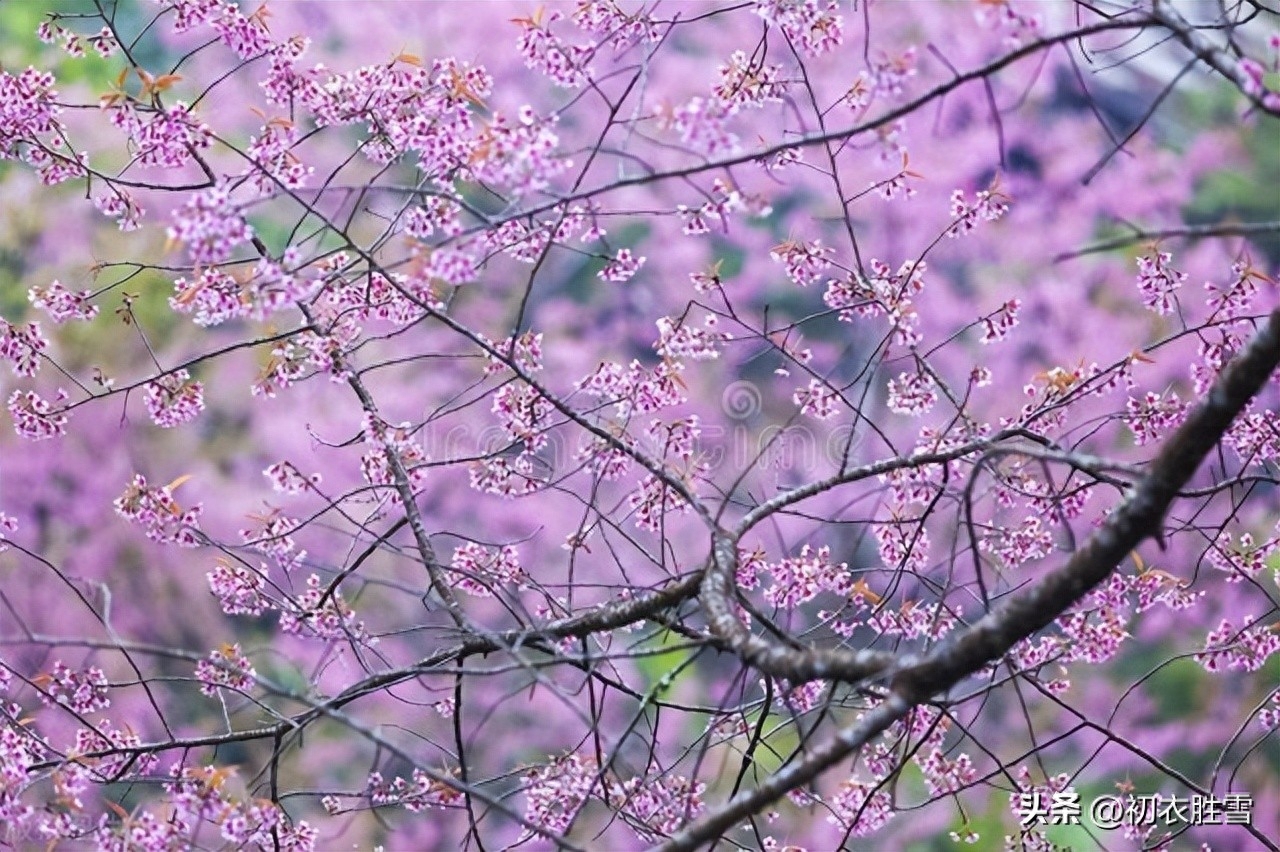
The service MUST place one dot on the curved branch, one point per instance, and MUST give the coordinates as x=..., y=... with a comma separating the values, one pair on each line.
x=916, y=680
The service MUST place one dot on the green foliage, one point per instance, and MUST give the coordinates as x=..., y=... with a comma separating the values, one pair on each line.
x=18, y=47
x=1230, y=195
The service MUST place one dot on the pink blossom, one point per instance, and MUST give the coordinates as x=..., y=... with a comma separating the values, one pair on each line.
x=480, y=569
x=225, y=668
x=805, y=262
x=160, y=516
x=1244, y=649
x=818, y=400
x=623, y=267
x=324, y=616
x=82, y=692
x=562, y=63
x=210, y=226
x=22, y=345
x=861, y=807
x=679, y=338
x=174, y=399
x=27, y=109
x=996, y=326
x=812, y=24
x=34, y=418
x=1157, y=281
x=746, y=83
x=912, y=393
x=240, y=590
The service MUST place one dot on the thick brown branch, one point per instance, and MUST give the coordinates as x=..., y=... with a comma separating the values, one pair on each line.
x=1139, y=517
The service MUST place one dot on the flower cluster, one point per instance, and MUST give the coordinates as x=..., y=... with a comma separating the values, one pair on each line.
x=701, y=125
x=437, y=213
x=524, y=350
x=655, y=807
x=997, y=325
x=1153, y=416
x=748, y=83
x=271, y=537
x=1019, y=27
x=988, y=206
x=622, y=268
x=524, y=414
x=889, y=74
x=945, y=775
x=903, y=544
x=225, y=668
x=324, y=615
x=885, y=293
x=554, y=793
x=562, y=63
x=912, y=393
x=239, y=589
x=812, y=25
x=155, y=510
x=1234, y=300
x=805, y=262
x=798, y=699
x=653, y=502
x=897, y=184
x=678, y=338
x=1245, y=648
x=287, y=479
x=658, y=807
x=212, y=299
x=634, y=388
x=818, y=400
x=274, y=163
x=1158, y=282
x=677, y=439
x=1241, y=561
x=210, y=226
x=800, y=578
x=1093, y=635
x=861, y=807
x=28, y=109
x=121, y=204
x=247, y=35
x=913, y=620
x=22, y=345
x=61, y=304
x=173, y=399
x=724, y=201
x=33, y=418
x=81, y=692
x=162, y=138
x=480, y=568
x=604, y=459
x=605, y=20
x=1269, y=718
x=421, y=793
x=505, y=476
x=384, y=441
x=1017, y=545
x=1255, y=437
x=200, y=796
x=519, y=156
x=123, y=744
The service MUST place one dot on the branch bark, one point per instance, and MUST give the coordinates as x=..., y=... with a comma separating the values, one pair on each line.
x=913, y=681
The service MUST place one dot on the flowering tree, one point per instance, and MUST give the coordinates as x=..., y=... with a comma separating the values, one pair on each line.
x=767, y=423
